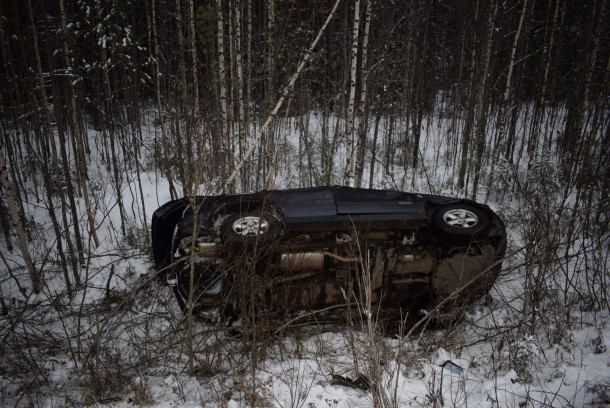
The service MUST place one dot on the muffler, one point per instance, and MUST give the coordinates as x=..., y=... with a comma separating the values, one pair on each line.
x=301, y=261
x=314, y=260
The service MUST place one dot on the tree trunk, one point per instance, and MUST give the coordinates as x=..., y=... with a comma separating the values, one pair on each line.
x=577, y=136
x=374, y=149
x=280, y=102
x=77, y=136
x=193, y=167
x=270, y=94
x=467, y=129
x=362, y=107
x=350, y=148
x=183, y=106
x=482, y=101
x=222, y=79
x=21, y=237
x=77, y=257
x=242, y=124
x=501, y=121
x=165, y=161
x=534, y=136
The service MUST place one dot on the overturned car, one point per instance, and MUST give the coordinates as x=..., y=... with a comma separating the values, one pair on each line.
x=312, y=248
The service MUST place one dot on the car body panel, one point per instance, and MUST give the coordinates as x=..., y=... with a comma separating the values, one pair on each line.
x=163, y=224
x=303, y=205
x=363, y=201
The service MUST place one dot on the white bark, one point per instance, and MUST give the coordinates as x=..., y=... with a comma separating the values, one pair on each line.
x=242, y=125
x=270, y=91
x=195, y=138
x=350, y=165
x=12, y=206
x=362, y=111
x=223, y=83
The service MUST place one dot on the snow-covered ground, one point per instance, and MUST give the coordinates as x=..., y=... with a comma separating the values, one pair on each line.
x=121, y=340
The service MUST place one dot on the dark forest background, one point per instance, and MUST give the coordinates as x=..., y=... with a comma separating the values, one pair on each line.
x=213, y=69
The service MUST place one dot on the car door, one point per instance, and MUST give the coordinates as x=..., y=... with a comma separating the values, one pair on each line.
x=307, y=207
x=356, y=201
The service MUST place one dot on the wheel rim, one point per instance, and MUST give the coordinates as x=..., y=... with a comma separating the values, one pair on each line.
x=250, y=226
x=461, y=218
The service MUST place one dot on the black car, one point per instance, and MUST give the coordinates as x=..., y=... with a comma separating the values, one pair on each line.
x=311, y=248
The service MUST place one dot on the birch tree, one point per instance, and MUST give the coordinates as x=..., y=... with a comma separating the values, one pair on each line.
x=350, y=136
x=481, y=102
x=14, y=213
x=222, y=86
x=78, y=137
x=270, y=95
x=182, y=131
x=362, y=106
x=241, y=101
x=287, y=89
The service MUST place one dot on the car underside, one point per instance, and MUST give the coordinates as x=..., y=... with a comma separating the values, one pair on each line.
x=311, y=249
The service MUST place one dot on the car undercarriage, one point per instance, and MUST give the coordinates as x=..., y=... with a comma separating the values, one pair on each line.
x=401, y=253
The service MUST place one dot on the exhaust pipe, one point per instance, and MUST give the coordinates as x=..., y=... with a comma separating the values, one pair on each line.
x=300, y=261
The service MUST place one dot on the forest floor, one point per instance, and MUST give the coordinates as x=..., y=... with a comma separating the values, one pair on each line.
x=120, y=340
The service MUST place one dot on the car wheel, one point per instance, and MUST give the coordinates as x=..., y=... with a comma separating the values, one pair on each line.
x=459, y=224
x=252, y=227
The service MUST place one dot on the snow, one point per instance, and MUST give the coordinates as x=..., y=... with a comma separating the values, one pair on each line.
x=142, y=341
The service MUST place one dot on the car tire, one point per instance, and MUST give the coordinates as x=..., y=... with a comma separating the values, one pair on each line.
x=459, y=224
x=252, y=227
